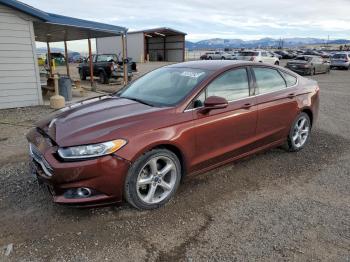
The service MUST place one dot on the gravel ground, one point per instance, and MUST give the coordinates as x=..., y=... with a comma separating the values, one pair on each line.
x=274, y=206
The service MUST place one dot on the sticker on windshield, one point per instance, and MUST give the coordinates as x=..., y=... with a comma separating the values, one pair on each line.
x=192, y=74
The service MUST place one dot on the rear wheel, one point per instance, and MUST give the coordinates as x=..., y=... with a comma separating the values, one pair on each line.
x=82, y=74
x=222, y=58
x=103, y=78
x=209, y=58
x=153, y=179
x=312, y=71
x=299, y=133
x=277, y=63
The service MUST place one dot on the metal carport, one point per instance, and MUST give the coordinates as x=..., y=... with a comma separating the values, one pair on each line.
x=50, y=27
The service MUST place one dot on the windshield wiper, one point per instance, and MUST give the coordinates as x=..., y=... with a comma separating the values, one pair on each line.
x=137, y=100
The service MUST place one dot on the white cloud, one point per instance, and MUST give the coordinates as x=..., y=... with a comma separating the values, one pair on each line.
x=249, y=19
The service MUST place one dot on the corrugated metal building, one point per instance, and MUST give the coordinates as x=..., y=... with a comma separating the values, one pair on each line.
x=158, y=44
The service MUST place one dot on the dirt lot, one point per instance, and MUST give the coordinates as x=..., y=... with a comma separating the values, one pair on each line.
x=115, y=84
x=274, y=206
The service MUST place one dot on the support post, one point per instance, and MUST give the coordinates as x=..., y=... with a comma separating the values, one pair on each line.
x=164, y=50
x=93, y=87
x=125, y=69
x=49, y=58
x=66, y=56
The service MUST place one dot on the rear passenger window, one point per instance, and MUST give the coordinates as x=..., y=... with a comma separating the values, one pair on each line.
x=231, y=85
x=268, y=80
x=290, y=80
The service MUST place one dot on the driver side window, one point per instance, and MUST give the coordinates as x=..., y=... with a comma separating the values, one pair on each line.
x=231, y=85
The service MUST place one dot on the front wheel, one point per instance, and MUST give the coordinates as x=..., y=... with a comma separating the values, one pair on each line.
x=153, y=179
x=299, y=133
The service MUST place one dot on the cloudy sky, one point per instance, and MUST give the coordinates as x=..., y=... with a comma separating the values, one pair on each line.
x=203, y=19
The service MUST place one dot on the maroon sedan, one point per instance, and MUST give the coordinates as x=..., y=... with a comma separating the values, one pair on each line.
x=178, y=120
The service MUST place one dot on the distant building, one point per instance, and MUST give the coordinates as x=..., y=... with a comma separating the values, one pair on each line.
x=158, y=44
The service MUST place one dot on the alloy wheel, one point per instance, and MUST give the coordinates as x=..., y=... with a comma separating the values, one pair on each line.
x=156, y=180
x=301, y=132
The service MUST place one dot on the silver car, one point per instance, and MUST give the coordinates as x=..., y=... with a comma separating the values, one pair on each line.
x=340, y=60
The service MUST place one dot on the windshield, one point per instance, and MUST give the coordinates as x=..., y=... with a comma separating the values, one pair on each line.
x=339, y=56
x=165, y=86
x=303, y=58
x=248, y=54
x=107, y=58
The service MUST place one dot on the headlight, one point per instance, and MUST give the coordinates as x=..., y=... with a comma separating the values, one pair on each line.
x=94, y=150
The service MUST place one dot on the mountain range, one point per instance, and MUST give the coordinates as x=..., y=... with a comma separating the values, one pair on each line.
x=264, y=42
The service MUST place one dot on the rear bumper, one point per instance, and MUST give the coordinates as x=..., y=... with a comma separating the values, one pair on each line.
x=118, y=74
x=104, y=176
x=302, y=71
x=339, y=64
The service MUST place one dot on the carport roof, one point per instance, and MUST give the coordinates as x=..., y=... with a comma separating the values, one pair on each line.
x=55, y=28
x=160, y=30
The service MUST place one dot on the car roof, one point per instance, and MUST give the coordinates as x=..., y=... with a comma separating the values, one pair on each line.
x=213, y=64
x=309, y=56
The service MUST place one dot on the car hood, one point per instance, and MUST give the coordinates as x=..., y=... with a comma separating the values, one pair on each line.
x=97, y=120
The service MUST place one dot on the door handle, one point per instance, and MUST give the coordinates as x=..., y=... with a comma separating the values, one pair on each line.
x=247, y=106
x=292, y=95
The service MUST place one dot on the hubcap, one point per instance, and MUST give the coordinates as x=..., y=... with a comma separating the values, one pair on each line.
x=156, y=180
x=301, y=132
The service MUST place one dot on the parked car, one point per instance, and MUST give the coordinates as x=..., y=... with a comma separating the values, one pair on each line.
x=340, y=60
x=284, y=54
x=77, y=59
x=217, y=55
x=309, y=65
x=59, y=58
x=312, y=52
x=324, y=54
x=105, y=66
x=275, y=55
x=176, y=121
x=258, y=56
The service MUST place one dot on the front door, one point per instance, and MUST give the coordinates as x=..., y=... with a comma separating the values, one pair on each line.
x=222, y=134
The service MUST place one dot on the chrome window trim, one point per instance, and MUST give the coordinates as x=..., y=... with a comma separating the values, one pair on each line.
x=251, y=96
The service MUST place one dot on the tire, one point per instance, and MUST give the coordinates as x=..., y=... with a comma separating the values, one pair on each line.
x=82, y=75
x=277, y=63
x=144, y=188
x=312, y=71
x=103, y=78
x=223, y=58
x=299, y=133
x=209, y=58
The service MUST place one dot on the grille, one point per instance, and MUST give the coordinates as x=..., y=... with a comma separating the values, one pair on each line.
x=38, y=157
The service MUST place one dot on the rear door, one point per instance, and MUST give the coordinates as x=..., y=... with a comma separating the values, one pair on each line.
x=222, y=134
x=277, y=105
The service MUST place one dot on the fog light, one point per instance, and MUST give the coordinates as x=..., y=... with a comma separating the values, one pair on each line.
x=81, y=192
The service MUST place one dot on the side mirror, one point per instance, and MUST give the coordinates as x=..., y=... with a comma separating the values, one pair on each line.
x=214, y=102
